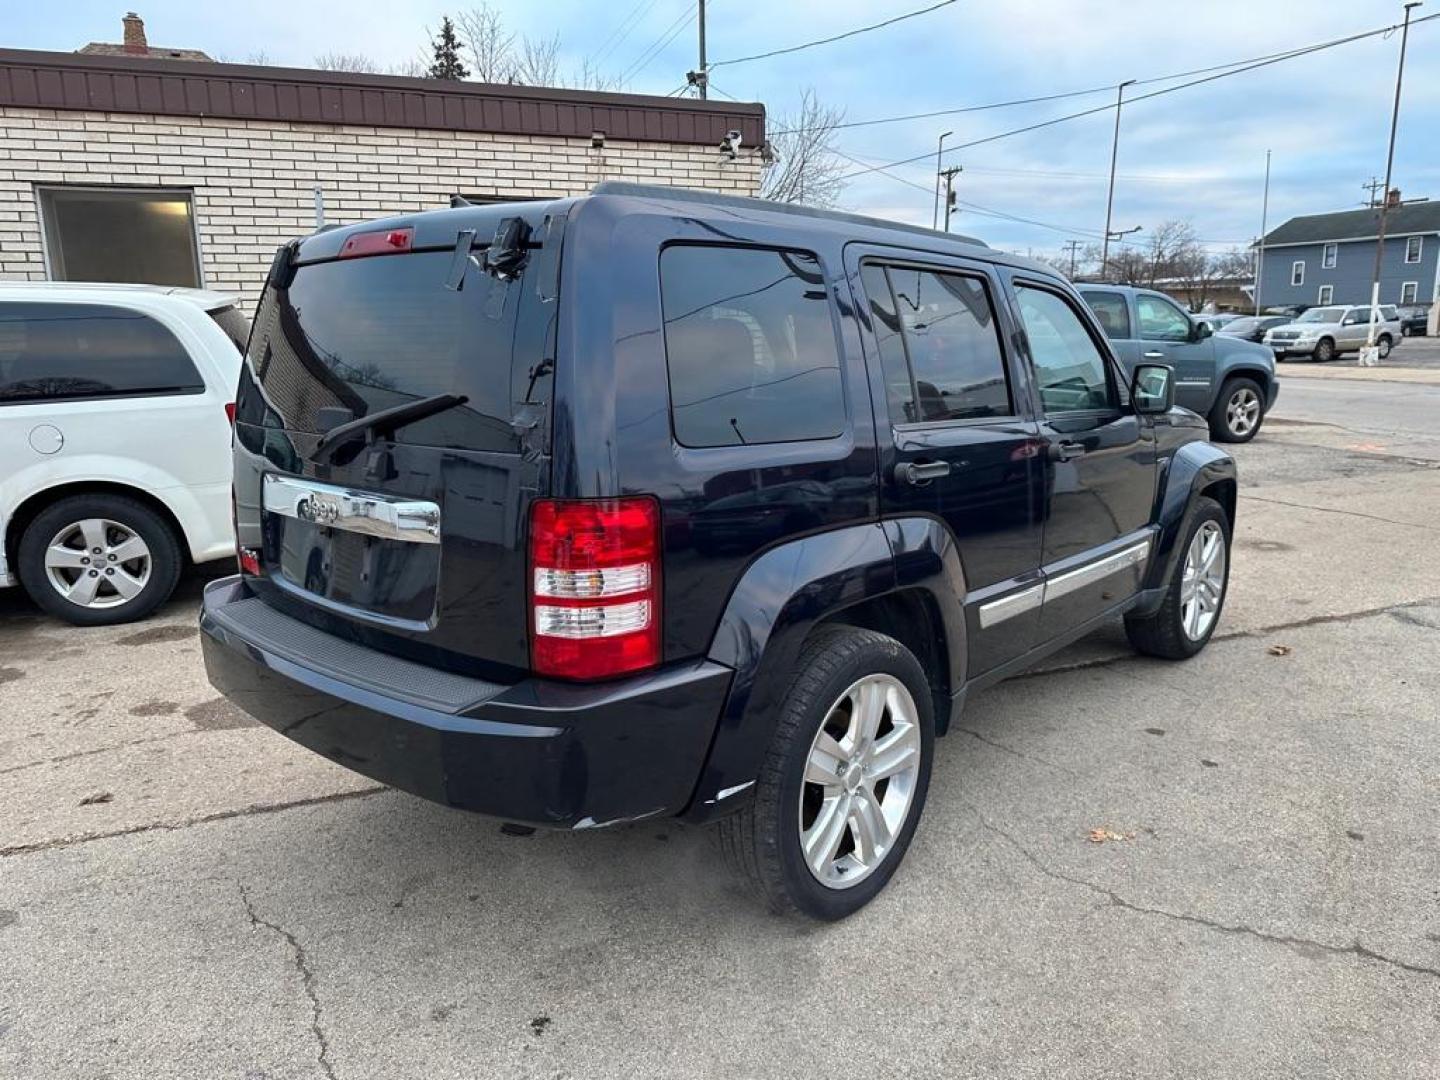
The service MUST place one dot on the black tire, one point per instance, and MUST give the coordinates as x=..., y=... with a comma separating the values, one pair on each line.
x=1324, y=351
x=762, y=841
x=1225, y=414
x=1384, y=344
x=1163, y=633
x=164, y=558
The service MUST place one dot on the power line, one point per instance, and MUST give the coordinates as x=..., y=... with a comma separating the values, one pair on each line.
x=1264, y=62
x=633, y=20
x=837, y=37
x=668, y=35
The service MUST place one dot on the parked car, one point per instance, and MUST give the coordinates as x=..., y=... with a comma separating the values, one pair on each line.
x=1414, y=320
x=1217, y=320
x=1227, y=380
x=1323, y=333
x=114, y=431
x=514, y=553
x=1253, y=327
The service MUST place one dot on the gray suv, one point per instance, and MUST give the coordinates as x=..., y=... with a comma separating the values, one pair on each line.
x=1227, y=380
x=1323, y=333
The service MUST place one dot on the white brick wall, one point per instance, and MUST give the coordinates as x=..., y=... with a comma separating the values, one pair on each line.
x=253, y=181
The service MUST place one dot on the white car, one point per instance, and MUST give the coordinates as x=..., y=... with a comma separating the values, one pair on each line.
x=1325, y=332
x=115, y=409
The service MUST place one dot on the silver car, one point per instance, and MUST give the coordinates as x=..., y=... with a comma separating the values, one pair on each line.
x=1323, y=333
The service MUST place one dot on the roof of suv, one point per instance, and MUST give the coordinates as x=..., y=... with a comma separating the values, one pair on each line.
x=204, y=299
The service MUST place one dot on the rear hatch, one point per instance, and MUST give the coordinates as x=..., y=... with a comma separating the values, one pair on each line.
x=406, y=532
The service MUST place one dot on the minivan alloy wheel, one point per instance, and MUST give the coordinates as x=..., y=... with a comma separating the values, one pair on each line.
x=98, y=563
x=1242, y=411
x=860, y=779
x=1203, y=583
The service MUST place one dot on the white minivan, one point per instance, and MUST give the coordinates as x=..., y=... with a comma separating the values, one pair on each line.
x=115, y=409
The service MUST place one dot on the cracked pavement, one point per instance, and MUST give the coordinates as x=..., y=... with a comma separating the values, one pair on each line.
x=1268, y=905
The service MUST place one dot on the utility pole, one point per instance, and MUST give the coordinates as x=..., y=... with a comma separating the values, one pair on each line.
x=704, y=78
x=1373, y=186
x=939, y=149
x=1110, y=197
x=1072, y=246
x=1370, y=356
x=949, y=175
x=1264, y=218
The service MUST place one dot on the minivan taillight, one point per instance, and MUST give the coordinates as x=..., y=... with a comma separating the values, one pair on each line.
x=594, y=587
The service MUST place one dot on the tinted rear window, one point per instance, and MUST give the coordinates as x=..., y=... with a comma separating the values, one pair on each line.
x=53, y=352
x=235, y=325
x=751, y=346
x=355, y=336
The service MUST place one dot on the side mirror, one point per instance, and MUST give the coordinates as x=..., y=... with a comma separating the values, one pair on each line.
x=1152, y=389
x=1199, y=331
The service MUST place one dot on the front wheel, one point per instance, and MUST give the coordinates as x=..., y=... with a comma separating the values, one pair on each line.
x=1384, y=345
x=1238, y=411
x=1195, y=595
x=844, y=779
x=1324, y=351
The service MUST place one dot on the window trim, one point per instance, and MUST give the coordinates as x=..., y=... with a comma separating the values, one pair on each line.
x=1414, y=287
x=1101, y=343
x=40, y=190
x=1419, y=250
x=1329, y=255
x=847, y=427
x=1298, y=264
x=1325, y=296
x=1165, y=300
x=1006, y=358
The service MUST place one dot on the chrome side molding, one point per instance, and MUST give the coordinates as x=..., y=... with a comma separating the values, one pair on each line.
x=414, y=521
x=1007, y=607
x=1032, y=597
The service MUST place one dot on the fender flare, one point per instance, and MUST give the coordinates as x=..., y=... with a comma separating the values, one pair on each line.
x=1191, y=470
x=781, y=597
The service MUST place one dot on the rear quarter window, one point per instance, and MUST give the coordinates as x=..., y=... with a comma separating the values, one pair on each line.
x=58, y=352
x=750, y=346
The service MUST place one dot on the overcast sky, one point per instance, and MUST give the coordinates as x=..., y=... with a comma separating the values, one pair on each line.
x=1197, y=154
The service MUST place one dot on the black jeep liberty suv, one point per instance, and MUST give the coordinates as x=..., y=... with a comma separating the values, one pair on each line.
x=657, y=503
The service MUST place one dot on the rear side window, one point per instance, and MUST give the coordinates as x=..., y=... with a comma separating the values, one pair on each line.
x=57, y=352
x=750, y=345
x=1112, y=312
x=939, y=345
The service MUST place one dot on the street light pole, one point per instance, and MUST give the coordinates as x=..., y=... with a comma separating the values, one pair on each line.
x=939, y=149
x=1110, y=196
x=704, y=89
x=1370, y=356
x=1264, y=218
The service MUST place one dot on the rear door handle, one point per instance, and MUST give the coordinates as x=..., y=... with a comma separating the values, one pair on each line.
x=1066, y=451
x=1154, y=354
x=918, y=472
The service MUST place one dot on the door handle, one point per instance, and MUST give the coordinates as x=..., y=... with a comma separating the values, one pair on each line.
x=918, y=472
x=1154, y=354
x=1066, y=451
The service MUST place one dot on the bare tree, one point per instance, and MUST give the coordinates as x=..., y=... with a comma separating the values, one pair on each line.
x=804, y=169
x=338, y=61
x=489, y=45
x=537, y=62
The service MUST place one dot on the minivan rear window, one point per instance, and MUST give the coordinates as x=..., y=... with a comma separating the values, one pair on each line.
x=55, y=352
x=750, y=345
x=355, y=336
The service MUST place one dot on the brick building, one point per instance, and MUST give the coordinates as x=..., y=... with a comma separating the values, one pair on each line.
x=133, y=165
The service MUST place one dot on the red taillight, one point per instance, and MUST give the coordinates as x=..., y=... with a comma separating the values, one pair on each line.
x=230, y=412
x=248, y=558
x=384, y=242
x=594, y=587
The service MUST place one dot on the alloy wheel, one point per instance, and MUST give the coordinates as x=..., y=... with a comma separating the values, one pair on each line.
x=1242, y=411
x=98, y=563
x=1202, y=584
x=860, y=780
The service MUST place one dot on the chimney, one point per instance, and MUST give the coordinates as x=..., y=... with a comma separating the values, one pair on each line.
x=135, y=34
x=1392, y=198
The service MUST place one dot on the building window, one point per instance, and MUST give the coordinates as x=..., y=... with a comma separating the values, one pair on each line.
x=1327, y=295
x=1327, y=260
x=1412, y=248
x=120, y=234
x=1408, y=292
x=1297, y=272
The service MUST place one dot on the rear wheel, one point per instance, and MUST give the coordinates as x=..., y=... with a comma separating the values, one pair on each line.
x=1238, y=411
x=94, y=560
x=1195, y=595
x=1324, y=351
x=844, y=780
x=1384, y=344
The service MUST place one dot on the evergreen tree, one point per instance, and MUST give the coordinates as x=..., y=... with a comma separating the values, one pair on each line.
x=446, y=64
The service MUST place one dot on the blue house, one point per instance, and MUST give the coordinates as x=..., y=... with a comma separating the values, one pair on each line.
x=1329, y=258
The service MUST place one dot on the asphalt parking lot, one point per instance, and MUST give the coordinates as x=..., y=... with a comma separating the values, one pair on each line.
x=186, y=894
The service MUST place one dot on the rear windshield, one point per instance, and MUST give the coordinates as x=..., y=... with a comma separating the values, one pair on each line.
x=235, y=325
x=355, y=336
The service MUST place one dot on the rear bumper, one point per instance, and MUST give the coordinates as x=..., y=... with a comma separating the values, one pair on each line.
x=537, y=752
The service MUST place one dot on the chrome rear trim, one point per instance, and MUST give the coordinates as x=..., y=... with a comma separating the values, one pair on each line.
x=414, y=521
